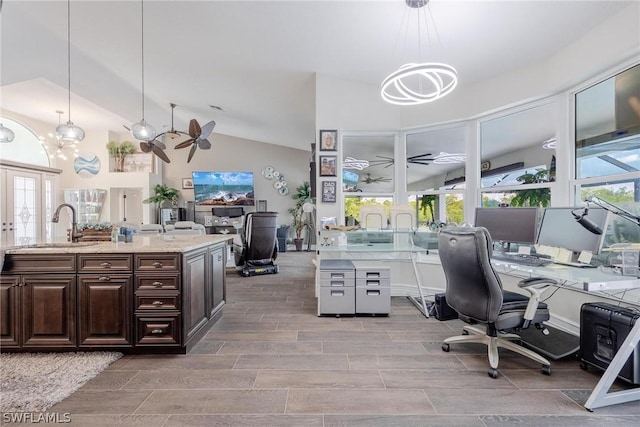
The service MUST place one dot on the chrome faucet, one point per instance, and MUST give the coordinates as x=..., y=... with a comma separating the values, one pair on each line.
x=75, y=235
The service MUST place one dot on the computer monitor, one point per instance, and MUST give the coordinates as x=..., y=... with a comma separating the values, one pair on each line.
x=559, y=228
x=509, y=225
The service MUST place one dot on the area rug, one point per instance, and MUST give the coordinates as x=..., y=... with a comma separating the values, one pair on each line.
x=34, y=382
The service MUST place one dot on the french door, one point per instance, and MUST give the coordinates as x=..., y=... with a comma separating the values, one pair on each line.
x=27, y=204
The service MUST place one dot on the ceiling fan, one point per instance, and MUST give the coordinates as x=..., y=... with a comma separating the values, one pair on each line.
x=172, y=133
x=368, y=179
x=419, y=159
x=198, y=138
x=153, y=145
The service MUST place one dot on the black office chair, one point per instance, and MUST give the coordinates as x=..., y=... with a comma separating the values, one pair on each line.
x=256, y=247
x=474, y=290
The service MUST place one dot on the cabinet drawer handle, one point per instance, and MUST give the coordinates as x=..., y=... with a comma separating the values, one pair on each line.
x=104, y=278
x=157, y=284
x=157, y=331
x=157, y=303
x=105, y=265
x=157, y=264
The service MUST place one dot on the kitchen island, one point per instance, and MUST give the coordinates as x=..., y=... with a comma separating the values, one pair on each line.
x=157, y=294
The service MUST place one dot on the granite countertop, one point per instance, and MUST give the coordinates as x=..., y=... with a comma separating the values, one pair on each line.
x=146, y=243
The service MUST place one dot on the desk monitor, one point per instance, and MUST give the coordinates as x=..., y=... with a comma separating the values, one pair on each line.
x=509, y=225
x=559, y=228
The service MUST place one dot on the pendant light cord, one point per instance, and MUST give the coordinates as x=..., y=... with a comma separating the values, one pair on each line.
x=69, y=54
x=142, y=27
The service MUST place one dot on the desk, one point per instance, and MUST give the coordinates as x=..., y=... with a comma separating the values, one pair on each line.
x=615, y=287
x=388, y=245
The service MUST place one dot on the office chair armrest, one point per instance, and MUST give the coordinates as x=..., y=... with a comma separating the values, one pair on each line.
x=536, y=287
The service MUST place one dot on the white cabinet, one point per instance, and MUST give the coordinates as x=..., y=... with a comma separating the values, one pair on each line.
x=87, y=202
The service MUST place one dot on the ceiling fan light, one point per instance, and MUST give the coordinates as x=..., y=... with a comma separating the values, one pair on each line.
x=70, y=132
x=143, y=131
x=6, y=134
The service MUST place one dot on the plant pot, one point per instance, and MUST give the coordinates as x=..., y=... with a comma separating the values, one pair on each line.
x=298, y=243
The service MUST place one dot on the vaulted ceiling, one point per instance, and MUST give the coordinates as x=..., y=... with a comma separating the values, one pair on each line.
x=257, y=60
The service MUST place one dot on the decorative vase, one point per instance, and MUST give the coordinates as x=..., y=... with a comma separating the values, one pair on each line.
x=298, y=243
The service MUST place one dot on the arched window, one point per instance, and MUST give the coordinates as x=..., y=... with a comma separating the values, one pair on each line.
x=25, y=148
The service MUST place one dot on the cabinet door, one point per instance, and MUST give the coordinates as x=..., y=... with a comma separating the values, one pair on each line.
x=49, y=310
x=105, y=302
x=194, y=279
x=217, y=281
x=9, y=311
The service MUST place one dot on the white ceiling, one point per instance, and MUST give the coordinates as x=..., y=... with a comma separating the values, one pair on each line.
x=255, y=59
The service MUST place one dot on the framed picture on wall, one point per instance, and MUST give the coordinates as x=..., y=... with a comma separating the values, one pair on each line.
x=328, y=165
x=187, y=183
x=328, y=140
x=328, y=191
x=261, y=206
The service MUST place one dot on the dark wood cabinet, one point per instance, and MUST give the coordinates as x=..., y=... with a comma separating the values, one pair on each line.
x=48, y=310
x=157, y=300
x=194, y=279
x=38, y=311
x=216, y=286
x=10, y=324
x=146, y=302
x=104, y=308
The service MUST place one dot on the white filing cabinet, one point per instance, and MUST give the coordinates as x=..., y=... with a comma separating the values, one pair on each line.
x=337, y=287
x=373, y=288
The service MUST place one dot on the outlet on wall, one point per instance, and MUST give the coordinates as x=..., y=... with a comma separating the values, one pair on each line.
x=208, y=221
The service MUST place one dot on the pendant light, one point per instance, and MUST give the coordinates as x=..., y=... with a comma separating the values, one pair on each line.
x=419, y=83
x=69, y=131
x=142, y=130
x=6, y=134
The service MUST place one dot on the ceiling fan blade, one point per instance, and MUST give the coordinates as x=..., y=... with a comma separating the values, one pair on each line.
x=185, y=144
x=160, y=153
x=203, y=144
x=126, y=127
x=159, y=143
x=207, y=129
x=194, y=128
x=191, y=152
x=145, y=147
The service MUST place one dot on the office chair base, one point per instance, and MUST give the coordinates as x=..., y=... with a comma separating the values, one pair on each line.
x=493, y=344
x=254, y=271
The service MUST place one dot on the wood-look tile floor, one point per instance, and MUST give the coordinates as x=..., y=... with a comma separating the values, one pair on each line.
x=271, y=361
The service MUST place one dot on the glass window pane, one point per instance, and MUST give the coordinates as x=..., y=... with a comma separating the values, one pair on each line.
x=353, y=204
x=435, y=210
x=607, y=124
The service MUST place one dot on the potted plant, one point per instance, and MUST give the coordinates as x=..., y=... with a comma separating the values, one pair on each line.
x=163, y=193
x=539, y=197
x=299, y=217
x=119, y=152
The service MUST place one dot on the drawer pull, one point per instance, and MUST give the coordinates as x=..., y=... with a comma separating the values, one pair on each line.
x=105, y=265
x=337, y=275
x=157, y=331
x=104, y=279
x=337, y=293
x=157, y=303
x=373, y=293
x=373, y=283
x=372, y=274
x=157, y=264
x=157, y=284
x=337, y=283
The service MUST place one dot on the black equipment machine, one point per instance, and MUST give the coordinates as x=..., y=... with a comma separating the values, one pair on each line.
x=256, y=248
x=603, y=329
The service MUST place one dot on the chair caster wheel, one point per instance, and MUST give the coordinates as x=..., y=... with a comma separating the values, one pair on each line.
x=546, y=369
x=583, y=366
x=493, y=373
x=446, y=348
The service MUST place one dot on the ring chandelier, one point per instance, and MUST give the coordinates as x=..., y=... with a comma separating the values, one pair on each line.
x=419, y=83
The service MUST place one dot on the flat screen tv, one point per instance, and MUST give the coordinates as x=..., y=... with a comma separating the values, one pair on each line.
x=223, y=188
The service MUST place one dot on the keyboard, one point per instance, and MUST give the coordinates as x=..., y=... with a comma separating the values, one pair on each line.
x=522, y=259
